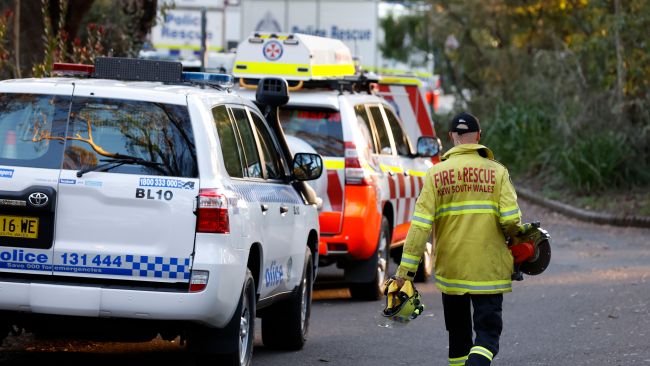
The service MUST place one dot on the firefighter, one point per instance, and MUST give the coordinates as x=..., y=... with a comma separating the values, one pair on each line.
x=471, y=201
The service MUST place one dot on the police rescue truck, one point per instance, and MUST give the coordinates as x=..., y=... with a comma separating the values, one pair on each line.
x=138, y=200
x=373, y=173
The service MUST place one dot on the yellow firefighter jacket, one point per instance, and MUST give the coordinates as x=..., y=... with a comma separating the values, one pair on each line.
x=470, y=199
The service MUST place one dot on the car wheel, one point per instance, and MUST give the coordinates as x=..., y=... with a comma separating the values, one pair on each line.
x=373, y=290
x=285, y=325
x=239, y=334
x=425, y=269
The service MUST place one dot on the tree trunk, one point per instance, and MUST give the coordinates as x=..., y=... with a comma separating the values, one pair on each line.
x=620, y=67
x=17, y=73
x=30, y=42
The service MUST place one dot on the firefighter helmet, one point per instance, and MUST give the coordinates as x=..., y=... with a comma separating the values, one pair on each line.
x=403, y=304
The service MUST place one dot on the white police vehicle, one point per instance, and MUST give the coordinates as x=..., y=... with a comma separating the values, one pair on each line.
x=130, y=209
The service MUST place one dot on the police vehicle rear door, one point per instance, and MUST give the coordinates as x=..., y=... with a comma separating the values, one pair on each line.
x=32, y=128
x=128, y=188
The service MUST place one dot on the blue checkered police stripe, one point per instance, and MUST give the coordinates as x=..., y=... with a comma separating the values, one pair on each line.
x=158, y=267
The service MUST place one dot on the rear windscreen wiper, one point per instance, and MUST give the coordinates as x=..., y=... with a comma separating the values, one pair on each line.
x=109, y=164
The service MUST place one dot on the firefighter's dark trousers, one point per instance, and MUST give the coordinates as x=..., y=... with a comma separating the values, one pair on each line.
x=487, y=325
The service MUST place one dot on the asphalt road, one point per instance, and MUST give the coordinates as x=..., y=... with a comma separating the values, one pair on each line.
x=589, y=308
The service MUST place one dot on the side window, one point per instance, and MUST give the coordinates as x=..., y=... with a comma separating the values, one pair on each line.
x=272, y=160
x=32, y=129
x=366, y=127
x=228, y=138
x=382, y=133
x=249, y=146
x=401, y=140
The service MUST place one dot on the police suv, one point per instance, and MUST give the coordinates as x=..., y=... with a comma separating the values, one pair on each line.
x=373, y=173
x=166, y=205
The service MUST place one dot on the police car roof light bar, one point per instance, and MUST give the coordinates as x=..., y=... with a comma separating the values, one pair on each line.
x=67, y=69
x=133, y=69
x=205, y=78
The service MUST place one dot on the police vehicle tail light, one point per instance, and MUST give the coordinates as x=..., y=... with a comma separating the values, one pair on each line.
x=205, y=78
x=355, y=174
x=212, y=213
x=199, y=281
x=66, y=69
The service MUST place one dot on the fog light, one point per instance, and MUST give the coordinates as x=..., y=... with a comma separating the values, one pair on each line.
x=199, y=281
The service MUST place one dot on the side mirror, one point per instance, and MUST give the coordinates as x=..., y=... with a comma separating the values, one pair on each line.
x=428, y=146
x=272, y=92
x=306, y=166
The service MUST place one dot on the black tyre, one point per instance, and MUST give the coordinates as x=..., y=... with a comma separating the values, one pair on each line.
x=237, y=338
x=373, y=290
x=425, y=269
x=285, y=325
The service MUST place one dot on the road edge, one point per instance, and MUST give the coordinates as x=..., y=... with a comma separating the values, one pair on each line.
x=584, y=215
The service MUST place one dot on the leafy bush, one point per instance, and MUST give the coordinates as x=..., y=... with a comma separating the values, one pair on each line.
x=600, y=161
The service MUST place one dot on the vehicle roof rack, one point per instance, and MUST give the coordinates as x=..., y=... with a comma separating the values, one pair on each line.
x=360, y=83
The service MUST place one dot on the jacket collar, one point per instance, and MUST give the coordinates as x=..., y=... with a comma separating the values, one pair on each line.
x=469, y=149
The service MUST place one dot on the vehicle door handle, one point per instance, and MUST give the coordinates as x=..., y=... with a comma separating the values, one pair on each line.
x=284, y=209
x=264, y=207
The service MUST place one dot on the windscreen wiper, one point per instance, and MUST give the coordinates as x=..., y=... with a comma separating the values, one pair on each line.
x=109, y=164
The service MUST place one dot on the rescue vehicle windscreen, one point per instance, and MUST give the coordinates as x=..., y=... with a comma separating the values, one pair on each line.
x=319, y=127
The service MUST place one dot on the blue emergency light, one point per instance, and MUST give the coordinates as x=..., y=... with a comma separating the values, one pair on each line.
x=205, y=78
x=129, y=69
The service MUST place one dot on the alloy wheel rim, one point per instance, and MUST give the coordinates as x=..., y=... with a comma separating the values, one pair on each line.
x=303, y=305
x=381, y=260
x=244, y=331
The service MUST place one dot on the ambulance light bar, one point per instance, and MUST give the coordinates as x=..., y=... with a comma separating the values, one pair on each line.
x=397, y=80
x=65, y=69
x=204, y=78
x=295, y=57
x=288, y=39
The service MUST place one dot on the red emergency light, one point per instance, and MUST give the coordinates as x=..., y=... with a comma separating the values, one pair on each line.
x=67, y=69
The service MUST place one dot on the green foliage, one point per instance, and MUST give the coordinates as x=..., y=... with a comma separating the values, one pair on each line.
x=562, y=87
x=5, y=20
x=56, y=43
x=598, y=162
x=404, y=36
x=522, y=136
x=121, y=24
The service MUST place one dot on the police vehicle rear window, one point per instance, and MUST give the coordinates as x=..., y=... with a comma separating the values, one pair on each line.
x=32, y=128
x=101, y=129
x=320, y=128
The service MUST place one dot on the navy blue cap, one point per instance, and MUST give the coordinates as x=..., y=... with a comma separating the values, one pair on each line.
x=464, y=123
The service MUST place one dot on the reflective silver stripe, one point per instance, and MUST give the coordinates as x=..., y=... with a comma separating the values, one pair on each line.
x=508, y=213
x=474, y=287
x=458, y=361
x=425, y=221
x=410, y=261
x=482, y=351
x=466, y=207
